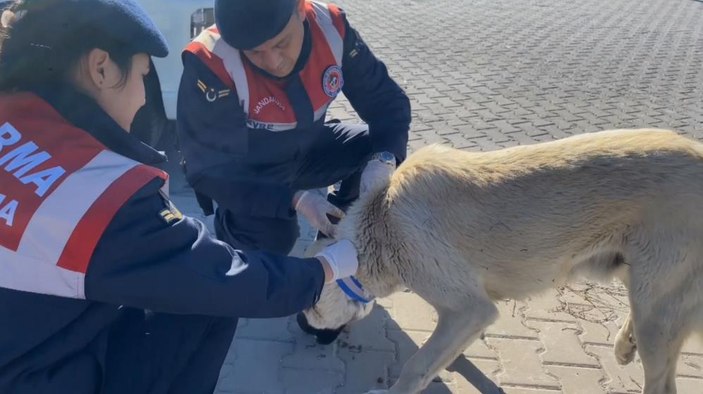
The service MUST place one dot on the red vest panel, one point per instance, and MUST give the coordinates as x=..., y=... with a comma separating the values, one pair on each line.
x=59, y=190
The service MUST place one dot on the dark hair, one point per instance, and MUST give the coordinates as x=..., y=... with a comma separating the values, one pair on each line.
x=36, y=49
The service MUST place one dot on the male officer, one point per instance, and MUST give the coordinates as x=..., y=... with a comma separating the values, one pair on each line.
x=251, y=119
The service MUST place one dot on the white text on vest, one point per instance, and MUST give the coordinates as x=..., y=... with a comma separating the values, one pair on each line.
x=23, y=159
x=7, y=211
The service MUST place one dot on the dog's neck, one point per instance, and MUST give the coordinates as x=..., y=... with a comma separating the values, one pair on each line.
x=366, y=224
x=377, y=278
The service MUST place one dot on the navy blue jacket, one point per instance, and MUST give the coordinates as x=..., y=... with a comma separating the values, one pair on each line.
x=248, y=172
x=140, y=262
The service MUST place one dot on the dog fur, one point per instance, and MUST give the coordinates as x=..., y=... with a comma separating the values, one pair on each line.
x=464, y=229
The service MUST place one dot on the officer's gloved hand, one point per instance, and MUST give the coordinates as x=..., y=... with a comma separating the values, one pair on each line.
x=341, y=257
x=315, y=208
x=375, y=174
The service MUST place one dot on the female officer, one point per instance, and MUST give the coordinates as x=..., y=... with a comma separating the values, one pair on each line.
x=104, y=286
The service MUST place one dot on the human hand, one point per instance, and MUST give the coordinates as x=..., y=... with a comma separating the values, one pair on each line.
x=315, y=208
x=341, y=260
x=375, y=174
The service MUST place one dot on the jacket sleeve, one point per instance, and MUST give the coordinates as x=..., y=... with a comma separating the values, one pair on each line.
x=375, y=96
x=214, y=140
x=176, y=266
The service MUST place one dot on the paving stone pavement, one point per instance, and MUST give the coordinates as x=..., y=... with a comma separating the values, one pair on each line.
x=483, y=75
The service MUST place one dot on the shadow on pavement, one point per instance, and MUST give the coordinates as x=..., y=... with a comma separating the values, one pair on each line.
x=464, y=367
x=368, y=335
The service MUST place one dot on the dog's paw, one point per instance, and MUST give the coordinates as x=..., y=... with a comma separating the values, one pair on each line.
x=625, y=349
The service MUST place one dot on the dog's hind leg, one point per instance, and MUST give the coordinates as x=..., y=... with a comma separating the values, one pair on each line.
x=660, y=322
x=662, y=283
x=455, y=330
x=660, y=337
x=625, y=344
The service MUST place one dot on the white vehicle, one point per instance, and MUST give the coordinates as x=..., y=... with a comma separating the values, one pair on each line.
x=179, y=21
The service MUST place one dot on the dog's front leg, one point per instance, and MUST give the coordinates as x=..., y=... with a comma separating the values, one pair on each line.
x=455, y=330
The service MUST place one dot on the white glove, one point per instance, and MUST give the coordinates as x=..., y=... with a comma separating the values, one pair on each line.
x=315, y=207
x=374, y=175
x=342, y=259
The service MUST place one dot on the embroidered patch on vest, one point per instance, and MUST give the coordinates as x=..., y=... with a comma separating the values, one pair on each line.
x=210, y=93
x=332, y=80
x=170, y=214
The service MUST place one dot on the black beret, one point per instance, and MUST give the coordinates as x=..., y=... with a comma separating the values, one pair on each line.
x=122, y=20
x=246, y=24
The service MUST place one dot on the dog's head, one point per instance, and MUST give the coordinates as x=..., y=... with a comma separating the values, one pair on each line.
x=335, y=308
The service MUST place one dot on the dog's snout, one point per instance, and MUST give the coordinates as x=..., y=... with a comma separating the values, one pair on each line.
x=323, y=336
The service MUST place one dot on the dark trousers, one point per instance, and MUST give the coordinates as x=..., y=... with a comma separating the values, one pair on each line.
x=163, y=353
x=338, y=154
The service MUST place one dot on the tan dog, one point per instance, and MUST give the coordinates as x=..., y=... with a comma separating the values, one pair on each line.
x=464, y=229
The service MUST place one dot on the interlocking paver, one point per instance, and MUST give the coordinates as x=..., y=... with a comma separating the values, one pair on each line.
x=511, y=323
x=577, y=380
x=307, y=355
x=310, y=381
x=562, y=345
x=409, y=312
x=370, y=333
x=522, y=390
x=599, y=333
x=272, y=330
x=520, y=362
x=244, y=372
x=368, y=369
x=619, y=379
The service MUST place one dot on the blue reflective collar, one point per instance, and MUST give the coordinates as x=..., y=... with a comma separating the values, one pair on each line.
x=354, y=290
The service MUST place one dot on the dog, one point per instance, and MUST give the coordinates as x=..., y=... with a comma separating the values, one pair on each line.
x=465, y=229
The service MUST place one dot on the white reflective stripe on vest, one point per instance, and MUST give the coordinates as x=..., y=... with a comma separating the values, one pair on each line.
x=34, y=267
x=277, y=127
x=334, y=40
x=37, y=276
x=234, y=66
x=232, y=60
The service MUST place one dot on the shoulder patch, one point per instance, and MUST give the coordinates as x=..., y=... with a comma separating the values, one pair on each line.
x=332, y=80
x=170, y=214
x=212, y=94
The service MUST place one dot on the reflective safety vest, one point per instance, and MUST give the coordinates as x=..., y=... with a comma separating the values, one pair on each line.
x=263, y=99
x=59, y=190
